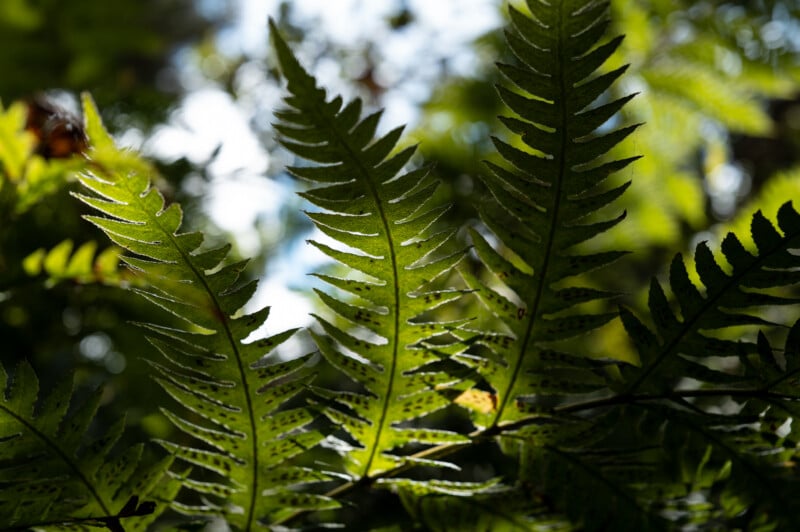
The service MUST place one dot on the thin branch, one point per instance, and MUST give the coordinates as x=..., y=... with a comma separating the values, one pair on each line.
x=446, y=449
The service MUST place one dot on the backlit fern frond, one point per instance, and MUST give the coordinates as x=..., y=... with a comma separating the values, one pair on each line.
x=541, y=202
x=387, y=216
x=52, y=472
x=83, y=265
x=231, y=391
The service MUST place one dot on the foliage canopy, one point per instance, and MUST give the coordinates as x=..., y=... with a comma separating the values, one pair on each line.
x=437, y=340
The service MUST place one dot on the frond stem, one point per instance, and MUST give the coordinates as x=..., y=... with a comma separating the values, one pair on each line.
x=446, y=449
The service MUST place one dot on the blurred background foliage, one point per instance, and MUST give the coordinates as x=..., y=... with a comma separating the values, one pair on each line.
x=718, y=94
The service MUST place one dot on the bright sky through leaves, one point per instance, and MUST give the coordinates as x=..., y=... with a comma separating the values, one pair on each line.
x=208, y=119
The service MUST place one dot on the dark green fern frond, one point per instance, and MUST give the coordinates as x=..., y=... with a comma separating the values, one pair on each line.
x=387, y=217
x=755, y=388
x=595, y=471
x=562, y=472
x=744, y=461
x=231, y=391
x=541, y=202
x=574, y=478
x=52, y=472
x=730, y=300
x=502, y=509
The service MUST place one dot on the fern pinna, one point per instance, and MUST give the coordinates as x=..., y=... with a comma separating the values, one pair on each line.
x=387, y=216
x=232, y=391
x=52, y=474
x=82, y=265
x=540, y=200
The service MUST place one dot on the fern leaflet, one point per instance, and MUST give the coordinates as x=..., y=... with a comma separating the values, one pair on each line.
x=83, y=265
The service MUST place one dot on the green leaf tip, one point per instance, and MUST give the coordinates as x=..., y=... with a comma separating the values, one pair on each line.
x=99, y=137
x=299, y=80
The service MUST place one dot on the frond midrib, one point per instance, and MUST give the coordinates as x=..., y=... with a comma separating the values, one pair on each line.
x=626, y=399
x=223, y=317
x=542, y=282
x=365, y=176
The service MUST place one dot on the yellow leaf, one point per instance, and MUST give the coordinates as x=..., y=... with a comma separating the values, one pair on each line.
x=478, y=400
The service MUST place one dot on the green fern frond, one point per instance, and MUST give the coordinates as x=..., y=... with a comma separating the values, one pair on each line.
x=729, y=301
x=506, y=509
x=695, y=84
x=83, y=266
x=232, y=391
x=52, y=473
x=540, y=203
x=757, y=442
x=388, y=217
x=573, y=478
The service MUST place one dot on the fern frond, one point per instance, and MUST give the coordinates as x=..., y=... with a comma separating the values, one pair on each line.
x=84, y=265
x=693, y=83
x=232, y=391
x=541, y=202
x=386, y=215
x=729, y=301
x=746, y=463
x=51, y=472
x=573, y=478
x=501, y=509
x=754, y=437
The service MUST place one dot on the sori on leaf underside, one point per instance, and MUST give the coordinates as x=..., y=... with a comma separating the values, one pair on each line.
x=598, y=443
